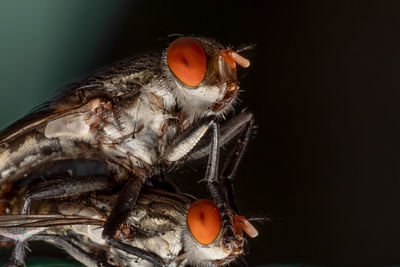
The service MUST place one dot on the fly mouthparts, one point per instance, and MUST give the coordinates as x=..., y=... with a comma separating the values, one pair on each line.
x=231, y=58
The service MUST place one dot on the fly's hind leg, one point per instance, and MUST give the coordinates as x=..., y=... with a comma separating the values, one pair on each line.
x=53, y=190
x=73, y=250
x=146, y=255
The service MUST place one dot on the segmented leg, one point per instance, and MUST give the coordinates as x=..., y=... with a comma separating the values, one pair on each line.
x=183, y=146
x=127, y=198
x=228, y=131
x=234, y=160
x=123, y=206
x=60, y=189
x=229, y=171
x=65, y=188
x=212, y=173
x=212, y=165
x=52, y=190
x=17, y=256
x=67, y=245
x=146, y=255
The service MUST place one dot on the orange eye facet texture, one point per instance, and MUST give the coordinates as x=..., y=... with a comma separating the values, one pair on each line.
x=204, y=221
x=187, y=61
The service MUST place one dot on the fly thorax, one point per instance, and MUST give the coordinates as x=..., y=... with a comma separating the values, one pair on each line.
x=154, y=233
x=146, y=124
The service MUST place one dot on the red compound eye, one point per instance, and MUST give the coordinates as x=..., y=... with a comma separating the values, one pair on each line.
x=204, y=221
x=187, y=61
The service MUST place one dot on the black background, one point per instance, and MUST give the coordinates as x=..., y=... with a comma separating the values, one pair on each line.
x=323, y=85
x=324, y=88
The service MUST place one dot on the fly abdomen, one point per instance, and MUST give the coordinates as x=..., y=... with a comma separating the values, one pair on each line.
x=26, y=153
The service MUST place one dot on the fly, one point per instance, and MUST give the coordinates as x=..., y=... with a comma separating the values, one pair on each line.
x=137, y=117
x=164, y=228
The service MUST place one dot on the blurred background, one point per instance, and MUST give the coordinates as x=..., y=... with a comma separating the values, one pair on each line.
x=324, y=86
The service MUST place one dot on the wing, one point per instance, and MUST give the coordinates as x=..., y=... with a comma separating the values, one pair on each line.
x=21, y=220
x=21, y=227
x=100, y=89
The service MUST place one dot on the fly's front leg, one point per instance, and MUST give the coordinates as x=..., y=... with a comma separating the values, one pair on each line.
x=184, y=144
x=186, y=141
x=215, y=187
x=229, y=130
x=240, y=124
x=227, y=178
x=234, y=160
x=53, y=190
x=212, y=166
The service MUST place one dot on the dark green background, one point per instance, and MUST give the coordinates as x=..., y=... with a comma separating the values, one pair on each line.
x=46, y=44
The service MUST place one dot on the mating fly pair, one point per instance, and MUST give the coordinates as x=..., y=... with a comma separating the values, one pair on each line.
x=139, y=117
x=165, y=228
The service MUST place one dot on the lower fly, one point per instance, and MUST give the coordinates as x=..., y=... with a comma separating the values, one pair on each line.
x=171, y=229
x=164, y=229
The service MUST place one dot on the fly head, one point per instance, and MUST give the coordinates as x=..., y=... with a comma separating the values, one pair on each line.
x=209, y=240
x=202, y=75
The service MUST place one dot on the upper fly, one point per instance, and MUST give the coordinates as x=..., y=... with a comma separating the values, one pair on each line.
x=127, y=114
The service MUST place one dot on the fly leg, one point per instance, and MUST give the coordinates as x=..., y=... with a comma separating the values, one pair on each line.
x=68, y=246
x=185, y=143
x=181, y=147
x=212, y=174
x=234, y=160
x=123, y=205
x=52, y=190
x=65, y=188
x=229, y=130
x=229, y=171
x=146, y=255
x=215, y=187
